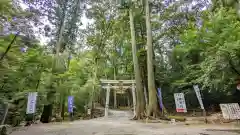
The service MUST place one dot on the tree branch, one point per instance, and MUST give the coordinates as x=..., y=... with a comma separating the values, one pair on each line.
x=9, y=47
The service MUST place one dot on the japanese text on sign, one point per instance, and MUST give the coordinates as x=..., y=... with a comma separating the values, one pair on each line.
x=180, y=102
x=160, y=98
x=230, y=111
x=197, y=91
x=70, y=104
x=31, y=104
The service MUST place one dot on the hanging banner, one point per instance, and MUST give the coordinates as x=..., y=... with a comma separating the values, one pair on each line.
x=160, y=98
x=180, y=102
x=31, y=104
x=198, y=94
x=70, y=104
x=230, y=111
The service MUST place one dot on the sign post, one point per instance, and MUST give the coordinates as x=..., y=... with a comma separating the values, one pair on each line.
x=3, y=112
x=70, y=107
x=31, y=107
x=198, y=94
x=180, y=102
x=3, y=115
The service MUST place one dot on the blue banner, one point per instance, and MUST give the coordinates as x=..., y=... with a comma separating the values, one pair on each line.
x=160, y=98
x=70, y=104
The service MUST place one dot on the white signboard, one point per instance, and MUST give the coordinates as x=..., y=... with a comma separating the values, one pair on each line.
x=31, y=105
x=89, y=111
x=180, y=102
x=230, y=111
x=197, y=91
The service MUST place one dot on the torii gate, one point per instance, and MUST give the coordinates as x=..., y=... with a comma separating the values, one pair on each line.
x=118, y=84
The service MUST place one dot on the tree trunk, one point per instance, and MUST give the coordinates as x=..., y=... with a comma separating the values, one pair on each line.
x=114, y=91
x=139, y=89
x=94, y=81
x=63, y=107
x=128, y=101
x=46, y=114
x=143, y=69
x=152, y=106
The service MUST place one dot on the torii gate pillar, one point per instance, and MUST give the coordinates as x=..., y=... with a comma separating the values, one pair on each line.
x=134, y=99
x=107, y=100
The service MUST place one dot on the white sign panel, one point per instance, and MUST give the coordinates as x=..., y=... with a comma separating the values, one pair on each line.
x=197, y=91
x=31, y=105
x=230, y=111
x=89, y=111
x=180, y=102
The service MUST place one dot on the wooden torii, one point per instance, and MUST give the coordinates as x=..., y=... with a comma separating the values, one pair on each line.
x=118, y=84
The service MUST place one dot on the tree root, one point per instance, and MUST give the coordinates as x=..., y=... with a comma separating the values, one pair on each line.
x=134, y=118
x=141, y=117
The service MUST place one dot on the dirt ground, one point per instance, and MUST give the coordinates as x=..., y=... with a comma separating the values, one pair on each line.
x=118, y=123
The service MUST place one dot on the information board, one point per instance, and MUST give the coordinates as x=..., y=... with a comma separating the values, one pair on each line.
x=180, y=102
x=89, y=111
x=230, y=111
x=31, y=104
x=198, y=94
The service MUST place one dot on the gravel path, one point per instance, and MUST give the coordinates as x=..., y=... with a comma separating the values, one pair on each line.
x=118, y=124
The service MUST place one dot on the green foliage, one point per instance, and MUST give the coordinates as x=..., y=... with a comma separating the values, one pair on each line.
x=5, y=6
x=123, y=4
x=25, y=72
x=210, y=49
x=207, y=55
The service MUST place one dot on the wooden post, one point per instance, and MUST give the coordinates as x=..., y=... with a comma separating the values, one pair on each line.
x=128, y=103
x=205, y=115
x=5, y=114
x=115, y=98
x=107, y=100
x=134, y=99
x=115, y=92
